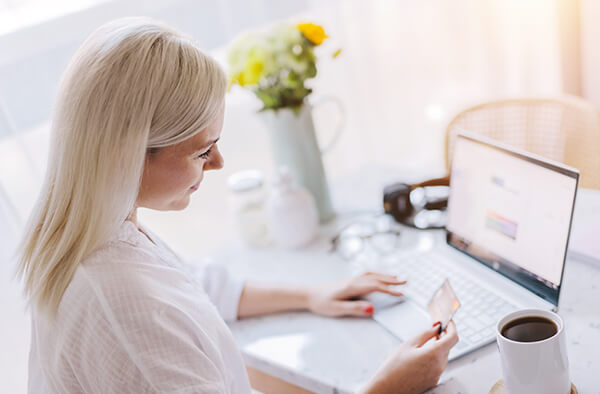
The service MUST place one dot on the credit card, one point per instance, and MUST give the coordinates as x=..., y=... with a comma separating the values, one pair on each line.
x=443, y=305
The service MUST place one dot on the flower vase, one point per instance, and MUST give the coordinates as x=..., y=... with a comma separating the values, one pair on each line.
x=294, y=145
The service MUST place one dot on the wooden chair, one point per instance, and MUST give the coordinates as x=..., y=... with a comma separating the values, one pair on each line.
x=565, y=129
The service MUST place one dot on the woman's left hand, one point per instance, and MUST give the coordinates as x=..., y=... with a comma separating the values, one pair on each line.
x=342, y=298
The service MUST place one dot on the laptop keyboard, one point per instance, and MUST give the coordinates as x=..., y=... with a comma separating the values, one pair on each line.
x=480, y=309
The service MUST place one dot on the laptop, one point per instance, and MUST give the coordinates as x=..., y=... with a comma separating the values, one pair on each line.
x=509, y=220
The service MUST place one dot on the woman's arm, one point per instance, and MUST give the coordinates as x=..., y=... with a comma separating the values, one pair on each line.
x=260, y=299
x=337, y=299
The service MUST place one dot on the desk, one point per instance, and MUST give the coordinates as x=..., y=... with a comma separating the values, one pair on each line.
x=328, y=355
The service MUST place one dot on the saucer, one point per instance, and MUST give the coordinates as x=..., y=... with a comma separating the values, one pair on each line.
x=498, y=388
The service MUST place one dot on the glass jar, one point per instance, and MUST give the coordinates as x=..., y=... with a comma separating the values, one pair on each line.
x=247, y=202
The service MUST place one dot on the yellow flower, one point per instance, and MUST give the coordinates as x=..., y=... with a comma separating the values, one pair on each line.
x=251, y=73
x=314, y=33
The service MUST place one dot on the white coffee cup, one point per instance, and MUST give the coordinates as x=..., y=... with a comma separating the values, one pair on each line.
x=540, y=367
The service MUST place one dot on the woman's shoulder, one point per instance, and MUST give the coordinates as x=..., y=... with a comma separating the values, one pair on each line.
x=119, y=255
x=130, y=271
x=126, y=270
x=127, y=243
x=118, y=272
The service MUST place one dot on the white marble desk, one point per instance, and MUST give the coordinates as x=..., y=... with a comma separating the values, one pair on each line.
x=328, y=355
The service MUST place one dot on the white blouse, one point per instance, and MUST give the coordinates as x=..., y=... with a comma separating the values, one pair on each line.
x=135, y=319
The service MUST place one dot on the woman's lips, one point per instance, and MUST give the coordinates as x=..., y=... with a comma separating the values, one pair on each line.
x=195, y=187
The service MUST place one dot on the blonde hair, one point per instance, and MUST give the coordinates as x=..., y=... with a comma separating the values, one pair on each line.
x=133, y=85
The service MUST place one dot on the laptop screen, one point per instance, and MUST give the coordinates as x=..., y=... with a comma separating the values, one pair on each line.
x=511, y=211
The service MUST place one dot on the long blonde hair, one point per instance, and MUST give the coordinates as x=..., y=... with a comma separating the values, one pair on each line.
x=133, y=85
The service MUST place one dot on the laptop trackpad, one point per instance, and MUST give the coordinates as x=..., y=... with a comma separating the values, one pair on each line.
x=404, y=320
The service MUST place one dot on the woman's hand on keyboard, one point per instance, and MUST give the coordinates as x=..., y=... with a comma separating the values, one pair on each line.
x=342, y=298
x=416, y=365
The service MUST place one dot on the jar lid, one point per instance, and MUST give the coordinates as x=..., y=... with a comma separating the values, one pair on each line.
x=245, y=180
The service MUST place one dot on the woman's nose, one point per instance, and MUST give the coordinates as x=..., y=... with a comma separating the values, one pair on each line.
x=216, y=163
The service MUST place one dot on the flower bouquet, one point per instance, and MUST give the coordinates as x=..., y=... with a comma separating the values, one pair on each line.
x=276, y=63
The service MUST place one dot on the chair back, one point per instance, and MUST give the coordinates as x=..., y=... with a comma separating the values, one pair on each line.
x=565, y=129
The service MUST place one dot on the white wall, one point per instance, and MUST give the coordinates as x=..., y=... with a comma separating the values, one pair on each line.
x=590, y=50
x=33, y=59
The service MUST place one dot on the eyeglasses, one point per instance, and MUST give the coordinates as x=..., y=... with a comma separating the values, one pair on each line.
x=357, y=238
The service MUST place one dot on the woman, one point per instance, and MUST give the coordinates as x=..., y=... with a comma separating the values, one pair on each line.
x=138, y=117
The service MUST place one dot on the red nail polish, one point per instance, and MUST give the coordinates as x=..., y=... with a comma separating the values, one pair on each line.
x=436, y=323
x=369, y=309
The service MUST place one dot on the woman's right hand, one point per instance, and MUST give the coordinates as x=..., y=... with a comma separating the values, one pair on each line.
x=416, y=365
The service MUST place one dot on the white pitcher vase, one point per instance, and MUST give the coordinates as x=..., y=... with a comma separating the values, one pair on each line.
x=294, y=145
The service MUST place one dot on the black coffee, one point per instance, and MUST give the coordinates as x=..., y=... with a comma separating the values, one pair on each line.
x=529, y=329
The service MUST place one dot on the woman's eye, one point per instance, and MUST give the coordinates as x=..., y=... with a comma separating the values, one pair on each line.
x=205, y=154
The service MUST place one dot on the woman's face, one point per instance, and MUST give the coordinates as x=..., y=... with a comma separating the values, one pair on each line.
x=173, y=173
